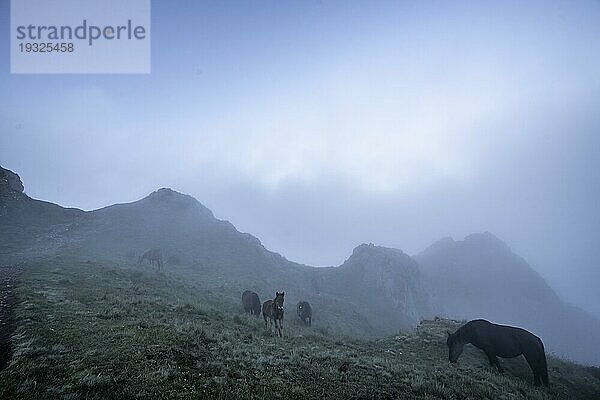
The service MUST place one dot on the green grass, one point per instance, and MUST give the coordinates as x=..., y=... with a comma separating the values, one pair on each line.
x=104, y=330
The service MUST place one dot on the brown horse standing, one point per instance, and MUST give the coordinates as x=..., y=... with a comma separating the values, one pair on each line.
x=273, y=309
x=153, y=256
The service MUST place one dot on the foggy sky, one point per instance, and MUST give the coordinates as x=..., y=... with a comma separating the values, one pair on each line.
x=320, y=125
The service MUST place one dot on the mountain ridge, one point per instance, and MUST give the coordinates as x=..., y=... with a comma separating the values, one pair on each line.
x=190, y=235
x=376, y=291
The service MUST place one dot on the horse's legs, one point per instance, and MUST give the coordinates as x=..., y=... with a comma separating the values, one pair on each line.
x=494, y=361
x=500, y=369
x=491, y=357
x=281, y=327
x=534, y=368
x=537, y=381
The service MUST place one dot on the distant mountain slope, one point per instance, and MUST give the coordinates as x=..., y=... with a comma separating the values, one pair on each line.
x=481, y=277
x=185, y=229
x=377, y=291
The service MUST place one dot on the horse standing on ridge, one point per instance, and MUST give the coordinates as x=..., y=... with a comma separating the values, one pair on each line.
x=153, y=256
x=251, y=302
x=273, y=310
x=500, y=341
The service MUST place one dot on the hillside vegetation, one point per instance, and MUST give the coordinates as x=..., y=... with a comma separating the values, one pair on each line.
x=106, y=328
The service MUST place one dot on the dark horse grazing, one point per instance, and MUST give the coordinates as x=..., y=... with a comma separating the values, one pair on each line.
x=304, y=312
x=153, y=256
x=251, y=302
x=500, y=341
x=273, y=309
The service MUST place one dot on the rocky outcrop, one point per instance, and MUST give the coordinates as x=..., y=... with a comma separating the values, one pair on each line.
x=10, y=182
x=386, y=284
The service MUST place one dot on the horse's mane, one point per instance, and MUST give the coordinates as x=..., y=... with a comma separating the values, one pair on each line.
x=464, y=332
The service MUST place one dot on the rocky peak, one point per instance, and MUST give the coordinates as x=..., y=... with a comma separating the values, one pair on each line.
x=372, y=258
x=168, y=194
x=396, y=278
x=443, y=244
x=485, y=240
x=10, y=182
x=367, y=250
x=168, y=198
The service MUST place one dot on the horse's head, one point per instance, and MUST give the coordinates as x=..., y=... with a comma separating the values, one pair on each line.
x=278, y=302
x=455, y=346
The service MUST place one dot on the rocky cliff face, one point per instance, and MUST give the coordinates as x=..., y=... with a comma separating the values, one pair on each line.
x=11, y=191
x=385, y=284
x=10, y=182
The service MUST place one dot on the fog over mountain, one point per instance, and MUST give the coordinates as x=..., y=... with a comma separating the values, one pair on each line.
x=374, y=174
x=376, y=291
x=321, y=125
x=481, y=276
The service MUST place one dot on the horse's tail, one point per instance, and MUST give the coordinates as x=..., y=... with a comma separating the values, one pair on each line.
x=543, y=364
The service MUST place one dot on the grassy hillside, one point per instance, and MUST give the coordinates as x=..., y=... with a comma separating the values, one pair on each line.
x=102, y=329
x=376, y=292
